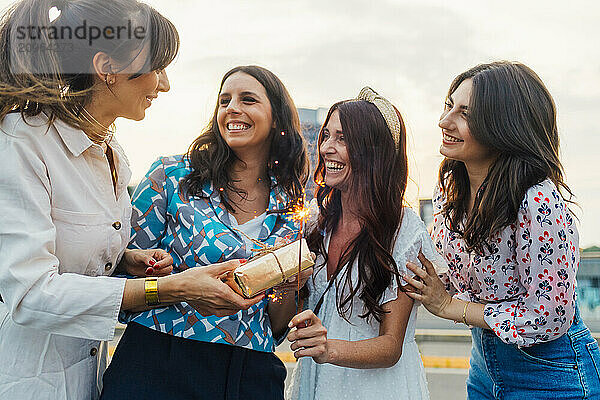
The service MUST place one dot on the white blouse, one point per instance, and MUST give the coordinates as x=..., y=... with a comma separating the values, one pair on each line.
x=403, y=381
x=63, y=230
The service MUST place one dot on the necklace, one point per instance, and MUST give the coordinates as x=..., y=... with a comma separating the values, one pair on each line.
x=106, y=133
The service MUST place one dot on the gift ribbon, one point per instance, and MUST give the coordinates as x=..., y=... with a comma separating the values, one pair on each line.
x=283, y=278
x=264, y=250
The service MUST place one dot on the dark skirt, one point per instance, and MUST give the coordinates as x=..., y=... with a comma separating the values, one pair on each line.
x=152, y=365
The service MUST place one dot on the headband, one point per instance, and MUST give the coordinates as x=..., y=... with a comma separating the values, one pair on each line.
x=386, y=109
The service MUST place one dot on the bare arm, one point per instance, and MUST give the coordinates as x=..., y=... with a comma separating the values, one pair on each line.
x=380, y=352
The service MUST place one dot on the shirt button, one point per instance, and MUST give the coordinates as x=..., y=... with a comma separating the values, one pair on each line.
x=93, y=351
x=117, y=225
x=108, y=266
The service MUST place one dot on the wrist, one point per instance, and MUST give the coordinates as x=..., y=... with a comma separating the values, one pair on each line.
x=171, y=289
x=332, y=351
x=452, y=310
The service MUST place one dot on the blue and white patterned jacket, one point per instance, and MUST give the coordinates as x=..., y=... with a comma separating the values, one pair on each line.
x=196, y=232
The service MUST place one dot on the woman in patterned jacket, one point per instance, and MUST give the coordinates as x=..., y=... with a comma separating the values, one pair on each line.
x=508, y=236
x=214, y=204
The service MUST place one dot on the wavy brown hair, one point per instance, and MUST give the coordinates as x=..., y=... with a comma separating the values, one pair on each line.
x=512, y=113
x=378, y=180
x=32, y=82
x=211, y=158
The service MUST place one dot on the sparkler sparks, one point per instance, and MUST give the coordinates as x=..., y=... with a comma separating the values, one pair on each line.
x=276, y=297
x=300, y=214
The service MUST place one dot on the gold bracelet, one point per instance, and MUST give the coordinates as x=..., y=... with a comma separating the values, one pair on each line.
x=151, y=291
x=464, y=317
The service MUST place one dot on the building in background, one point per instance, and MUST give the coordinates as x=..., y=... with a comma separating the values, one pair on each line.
x=311, y=121
x=588, y=288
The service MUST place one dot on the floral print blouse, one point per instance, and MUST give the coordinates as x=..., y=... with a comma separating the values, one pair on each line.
x=527, y=280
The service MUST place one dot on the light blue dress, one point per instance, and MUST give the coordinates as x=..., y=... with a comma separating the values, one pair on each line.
x=406, y=379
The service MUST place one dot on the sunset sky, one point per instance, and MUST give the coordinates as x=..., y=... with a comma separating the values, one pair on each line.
x=408, y=50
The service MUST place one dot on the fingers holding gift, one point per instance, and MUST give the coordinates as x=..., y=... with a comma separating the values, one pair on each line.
x=223, y=301
x=209, y=294
x=240, y=303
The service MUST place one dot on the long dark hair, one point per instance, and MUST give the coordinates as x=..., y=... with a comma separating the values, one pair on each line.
x=61, y=83
x=378, y=180
x=211, y=158
x=512, y=113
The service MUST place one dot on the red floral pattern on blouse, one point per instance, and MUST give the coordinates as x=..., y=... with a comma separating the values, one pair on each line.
x=527, y=278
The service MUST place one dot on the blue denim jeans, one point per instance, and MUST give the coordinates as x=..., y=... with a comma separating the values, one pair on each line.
x=565, y=368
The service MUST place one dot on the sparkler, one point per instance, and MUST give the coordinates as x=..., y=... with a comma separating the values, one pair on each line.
x=300, y=214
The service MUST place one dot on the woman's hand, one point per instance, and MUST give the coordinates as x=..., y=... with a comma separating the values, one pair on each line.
x=203, y=289
x=151, y=262
x=429, y=290
x=309, y=339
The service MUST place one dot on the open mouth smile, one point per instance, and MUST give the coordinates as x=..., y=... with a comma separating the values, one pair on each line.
x=334, y=166
x=451, y=139
x=149, y=99
x=237, y=126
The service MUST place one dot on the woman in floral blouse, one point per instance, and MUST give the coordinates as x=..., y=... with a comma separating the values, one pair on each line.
x=508, y=236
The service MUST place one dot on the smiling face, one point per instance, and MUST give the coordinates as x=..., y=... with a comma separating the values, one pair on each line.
x=131, y=97
x=138, y=94
x=334, y=152
x=244, y=113
x=457, y=141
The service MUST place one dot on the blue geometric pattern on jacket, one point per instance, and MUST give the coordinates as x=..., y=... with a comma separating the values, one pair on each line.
x=196, y=232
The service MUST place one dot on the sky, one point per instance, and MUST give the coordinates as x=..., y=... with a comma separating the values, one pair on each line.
x=407, y=50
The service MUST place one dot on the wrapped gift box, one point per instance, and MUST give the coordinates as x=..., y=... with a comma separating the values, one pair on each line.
x=269, y=269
